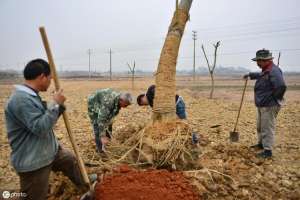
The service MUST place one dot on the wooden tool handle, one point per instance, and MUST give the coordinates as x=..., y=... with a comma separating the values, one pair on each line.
x=65, y=116
x=238, y=116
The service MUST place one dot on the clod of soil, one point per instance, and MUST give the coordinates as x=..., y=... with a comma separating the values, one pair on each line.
x=128, y=184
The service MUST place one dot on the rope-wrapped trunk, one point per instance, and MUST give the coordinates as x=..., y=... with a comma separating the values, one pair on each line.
x=164, y=108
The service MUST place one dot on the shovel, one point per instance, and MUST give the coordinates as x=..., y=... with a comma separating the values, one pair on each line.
x=234, y=135
x=90, y=193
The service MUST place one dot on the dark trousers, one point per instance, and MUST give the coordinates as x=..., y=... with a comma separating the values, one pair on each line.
x=35, y=183
x=98, y=132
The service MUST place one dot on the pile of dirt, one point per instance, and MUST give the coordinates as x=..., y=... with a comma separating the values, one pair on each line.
x=129, y=184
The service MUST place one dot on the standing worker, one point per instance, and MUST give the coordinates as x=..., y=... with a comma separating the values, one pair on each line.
x=103, y=106
x=269, y=90
x=29, y=122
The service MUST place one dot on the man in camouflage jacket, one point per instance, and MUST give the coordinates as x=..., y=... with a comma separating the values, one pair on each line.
x=103, y=106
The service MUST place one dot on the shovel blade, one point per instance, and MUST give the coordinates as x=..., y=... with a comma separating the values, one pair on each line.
x=234, y=136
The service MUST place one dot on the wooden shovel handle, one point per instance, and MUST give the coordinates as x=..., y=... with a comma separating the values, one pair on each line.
x=242, y=100
x=65, y=116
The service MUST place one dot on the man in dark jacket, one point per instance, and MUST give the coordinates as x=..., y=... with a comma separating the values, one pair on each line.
x=269, y=91
x=29, y=123
x=147, y=99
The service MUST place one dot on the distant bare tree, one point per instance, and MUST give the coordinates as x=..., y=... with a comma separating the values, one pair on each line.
x=279, y=55
x=132, y=71
x=211, y=68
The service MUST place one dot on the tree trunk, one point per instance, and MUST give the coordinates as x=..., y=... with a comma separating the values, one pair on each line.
x=132, y=71
x=211, y=69
x=132, y=80
x=212, y=85
x=164, y=101
x=278, y=61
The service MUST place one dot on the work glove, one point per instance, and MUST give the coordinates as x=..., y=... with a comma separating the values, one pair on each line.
x=61, y=109
x=246, y=76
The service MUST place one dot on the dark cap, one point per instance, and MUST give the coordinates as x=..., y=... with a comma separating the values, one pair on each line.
x=263, y=54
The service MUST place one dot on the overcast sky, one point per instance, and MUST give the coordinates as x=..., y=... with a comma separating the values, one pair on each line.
x=135, y=30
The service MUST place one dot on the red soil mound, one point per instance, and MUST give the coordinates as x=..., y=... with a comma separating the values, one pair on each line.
x=128, y=184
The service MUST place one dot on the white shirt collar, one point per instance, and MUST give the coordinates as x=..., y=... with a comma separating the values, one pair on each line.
x=25, y=89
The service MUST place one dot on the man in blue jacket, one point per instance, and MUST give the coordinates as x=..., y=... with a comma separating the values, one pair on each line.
x=35, y=151
x=269, y=90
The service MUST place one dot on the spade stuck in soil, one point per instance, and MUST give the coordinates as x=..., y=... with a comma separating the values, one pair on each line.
x=234, y=135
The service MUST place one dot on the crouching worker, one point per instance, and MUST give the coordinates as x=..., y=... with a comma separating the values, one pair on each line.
x=147, y=99
x=103, y=106
x=29, y=122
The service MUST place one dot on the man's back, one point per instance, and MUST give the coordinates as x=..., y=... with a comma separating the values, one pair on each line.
x=103, y=104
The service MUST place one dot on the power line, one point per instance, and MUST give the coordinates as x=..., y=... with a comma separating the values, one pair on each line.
x=219, y=54
x=156, y=49
x=256, y=23
x=291, y=50
x=250, y=33
x=235, y=37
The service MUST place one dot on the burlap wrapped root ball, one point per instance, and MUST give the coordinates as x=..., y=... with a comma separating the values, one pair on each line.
x=167, y=145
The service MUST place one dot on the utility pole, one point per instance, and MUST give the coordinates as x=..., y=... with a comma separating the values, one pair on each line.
x=89, y=53
x=110, y=70
x=194, y=63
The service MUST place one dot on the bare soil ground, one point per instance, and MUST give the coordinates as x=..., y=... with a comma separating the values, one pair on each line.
x=233, y=171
